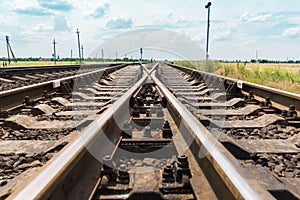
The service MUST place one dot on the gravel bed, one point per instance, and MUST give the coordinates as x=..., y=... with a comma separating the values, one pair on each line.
x=233, y=118
x=150, y=162
x=282, y=165
x=12, y=165
x=270, y=132
x=19, y=83
x=42, y=134
x=38, y=134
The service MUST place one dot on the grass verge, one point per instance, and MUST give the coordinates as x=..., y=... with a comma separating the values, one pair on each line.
x=285, y=77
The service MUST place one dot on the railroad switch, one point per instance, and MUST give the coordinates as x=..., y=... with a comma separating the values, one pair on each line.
x=182, y=168
x=148, y=113
x=166, y=130
x=250, y=98
x=267, y=103
x=164, y=102
x=127, y=130
x=168, y=175
x=147, y=131
x=136, y=111
x=291, y=113
x=155, y=96
x=29, y=102
x=109, y=167
x=132, y=102
x=123, y=175
x=159, y=113
x=140, y=101
x=3, y=113
x=46, y=95
x=148, y=102
x=177, y=171
x=153, y=110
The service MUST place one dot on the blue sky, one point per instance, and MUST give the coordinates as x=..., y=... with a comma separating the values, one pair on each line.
x=238, y=28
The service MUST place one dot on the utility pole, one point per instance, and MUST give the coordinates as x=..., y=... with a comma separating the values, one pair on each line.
x=71, y=53
x=102, y=53
x=208, y=25
x=54, y=49
x=256, y=55
x=9, y=49
x=82, y=52
x=141, y=51
x=78, y=45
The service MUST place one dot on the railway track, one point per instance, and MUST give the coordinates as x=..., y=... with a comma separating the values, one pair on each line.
x=153, y=132
x=15, y=77
x=259, y=126
x=42, y=119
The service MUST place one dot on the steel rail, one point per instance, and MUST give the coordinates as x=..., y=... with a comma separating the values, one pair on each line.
x=43, y=69
x=278, y=96
x=44, y=185
x=225, y=164
x=15, y=97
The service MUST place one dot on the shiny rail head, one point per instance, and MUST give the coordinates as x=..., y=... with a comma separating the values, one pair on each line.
x=49, y=178
x=214, y=151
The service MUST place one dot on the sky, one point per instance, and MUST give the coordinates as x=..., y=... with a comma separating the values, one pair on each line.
x=238, y=30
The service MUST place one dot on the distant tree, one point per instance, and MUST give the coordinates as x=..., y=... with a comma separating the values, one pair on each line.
x=264, y=61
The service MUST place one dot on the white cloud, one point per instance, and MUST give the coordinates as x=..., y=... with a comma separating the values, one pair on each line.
x=274, y=36
x=291, y=32
x=261, y=18
x=42, y=28
x=181, y=21
x=30, y=8
x=170, y=21
x=222, y=35
x=60, y=24
x=223, y=32
x=99, y=11
x=200, y=38
x=9, y=20
x=92, y=9
x=56, y=5
x=169, y=14
x=246, y=17
x=23, y=5
x=119, y=23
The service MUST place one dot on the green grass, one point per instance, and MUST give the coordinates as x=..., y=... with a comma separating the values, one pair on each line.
x=276, y=76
